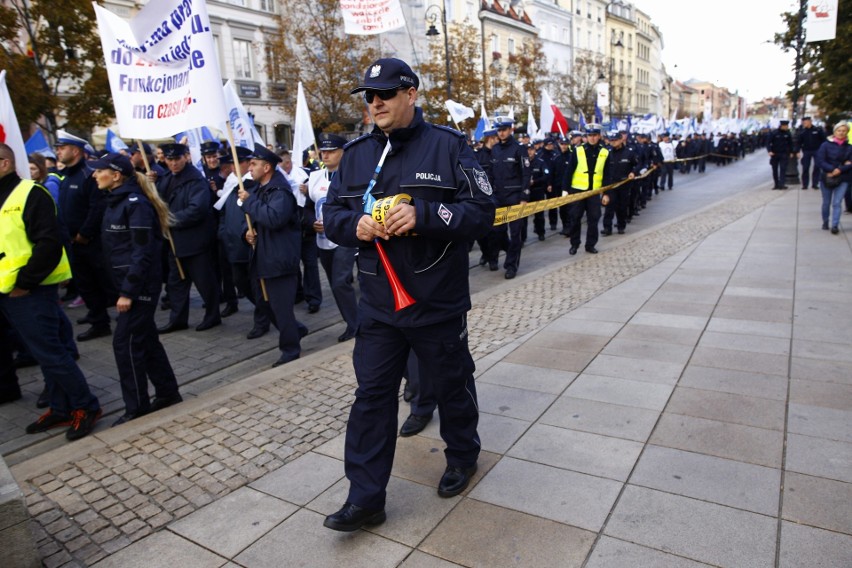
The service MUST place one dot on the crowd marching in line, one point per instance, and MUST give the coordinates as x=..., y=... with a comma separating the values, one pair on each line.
x=127, y=224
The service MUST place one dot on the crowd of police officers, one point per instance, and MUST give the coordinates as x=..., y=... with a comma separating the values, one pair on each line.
x=215, y=248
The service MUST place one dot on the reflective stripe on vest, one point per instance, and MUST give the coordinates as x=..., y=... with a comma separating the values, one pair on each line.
x=15, y=248
x=580, y=179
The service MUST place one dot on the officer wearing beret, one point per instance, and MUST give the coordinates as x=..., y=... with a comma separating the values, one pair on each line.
x=780, y=149
x=193, y=233
x=425, y=238
x=276, y=240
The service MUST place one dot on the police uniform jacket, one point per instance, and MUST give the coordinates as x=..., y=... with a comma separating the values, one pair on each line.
x=133, y=243
x=483, y=157
x=539, y=176
x=810, y=139
x=453, y=202
x=622, y=163
x=189, y=196
x=781, y=142
x=81, y=202
x=511, y=172
x=275, y=217
x=592, y=153
x=233, y=227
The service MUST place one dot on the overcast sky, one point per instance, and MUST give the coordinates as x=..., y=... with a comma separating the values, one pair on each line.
x=723, y=41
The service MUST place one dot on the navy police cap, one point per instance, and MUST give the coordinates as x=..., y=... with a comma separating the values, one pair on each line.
x=386, y=74
x=243, y=154
x=209, y=147
x=330, y=142
x=114, y=161
x=261, y=152
x=174, y=150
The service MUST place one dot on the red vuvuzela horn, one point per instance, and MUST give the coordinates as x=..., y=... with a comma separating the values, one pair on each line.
x=401, y=299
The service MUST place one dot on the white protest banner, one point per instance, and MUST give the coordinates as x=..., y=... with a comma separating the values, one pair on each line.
x=821, y=21
x=369, y=17
x=238, y=117
x=162, y=68
x=10, y=133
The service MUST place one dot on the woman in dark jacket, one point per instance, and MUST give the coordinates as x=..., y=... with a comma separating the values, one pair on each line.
x=132, y=238
x=834, y=158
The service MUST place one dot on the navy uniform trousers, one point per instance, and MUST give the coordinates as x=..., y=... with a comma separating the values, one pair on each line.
x=281, y=291
x=140, y=357
x=379, y=357
x=198, y=269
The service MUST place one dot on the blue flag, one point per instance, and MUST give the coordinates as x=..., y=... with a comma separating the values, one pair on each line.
x=598, y=113
x=37, y=144
x=114, y=143
x=582, y=121
x=207, y=135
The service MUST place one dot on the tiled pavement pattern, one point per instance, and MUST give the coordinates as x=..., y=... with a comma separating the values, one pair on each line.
x=652, y=425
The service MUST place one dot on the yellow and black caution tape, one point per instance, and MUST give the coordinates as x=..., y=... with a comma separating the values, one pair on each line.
x=514, y=212
x=382, y=206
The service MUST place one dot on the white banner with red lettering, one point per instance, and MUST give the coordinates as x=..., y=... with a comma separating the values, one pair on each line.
x=368, y=17
x=162, y=67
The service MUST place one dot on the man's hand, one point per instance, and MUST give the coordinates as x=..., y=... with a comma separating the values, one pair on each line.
x=368, y=229
x=242, y=194
x=80, y=239
x=123, y=304
x=18, y=293
x=319, y=227
x=303, y=189
x=401, y=219
x=152, y=176
x=251, y=237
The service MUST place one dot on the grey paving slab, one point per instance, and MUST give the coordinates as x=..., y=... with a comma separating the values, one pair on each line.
x=817, y=502
x=594, y=454
x=816, y=393
x=821, y=422
x=301, y=540
x=586, y=327
x=727, y=407
x=754, y=314
x=611, y=314
x=652, y=396
x=819, y=457
x=830, y=331
x=419, y=559
x=821, y=370
x=561, y=359
x=759, y=292
x=499, y=433
x=759, y=303
x=669, y=320
x=662, y=305
x=231, y=524
x=835, y=351
x=701, y=531
x=614, y=553
x=745, y=342
x=808, y=546
x=527, y=377
x=162, y=549
x=517, y=403
x=302, y=479
x=773, y=387
x=741, y=360
x=726, y=482
x=635, y=369
x=568, y=341
x=558, y=494
x=654, y=350
x=607, y=419
x=750, y=327
x=722, y=439
x=678, y=336
x=475, y=534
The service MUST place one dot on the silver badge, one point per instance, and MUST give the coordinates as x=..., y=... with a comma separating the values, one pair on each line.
x=375, y=71
x=482, y=183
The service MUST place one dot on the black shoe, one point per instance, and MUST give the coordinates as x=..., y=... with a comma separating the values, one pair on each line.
x=47, y=421
x=553, y=227
x=783, y=187
x=165, y=304
x=572, y=250
x=591, y=250
x=563, y=232
x=257, y=332
x=303, y=331
x=621, y=231
x=82, y=423
x=352, y=517
x=541, y=237
x=804, y=187
x=455, y=480
x=94, y=332
x=68, y=296
x=313, y=308
x=408, y=393
x=510, y=274
x=43, y=399
x=205, y=325
x=492, y=266
x=414, y=425
x=172, y=326
x=346, y=336
x=84, y=320
x=21, y=362
x=606, y=232
x=161, y=402
x=11, y=395
x=125, y=418
x=825, y=225
x=834, y=230
x=229, y=310
x=283, y=360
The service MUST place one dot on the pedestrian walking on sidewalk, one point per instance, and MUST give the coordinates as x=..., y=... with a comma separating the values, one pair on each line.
x=834, y=158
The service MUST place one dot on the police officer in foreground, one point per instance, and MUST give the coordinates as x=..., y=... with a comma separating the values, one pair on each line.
x=780, y=149
x=511, y=170
x=585, y=172
x=450, y=204
x=277, y=239
x=808, y=140
x=193, y=233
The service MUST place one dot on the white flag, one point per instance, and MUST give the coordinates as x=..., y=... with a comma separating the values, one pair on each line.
x=10, y=133
x=369, y=17
x=458, y=111
x=162, y=68
x=244, y=131
x=532, y=127
x=303, y=129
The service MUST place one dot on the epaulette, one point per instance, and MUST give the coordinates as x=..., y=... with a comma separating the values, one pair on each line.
x=356, y=140
x=451, y=130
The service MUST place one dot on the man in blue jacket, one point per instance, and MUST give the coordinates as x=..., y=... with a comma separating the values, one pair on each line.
x=425, y=238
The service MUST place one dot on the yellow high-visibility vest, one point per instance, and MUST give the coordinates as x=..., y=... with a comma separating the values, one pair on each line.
x=580, y=179
x=15, y=248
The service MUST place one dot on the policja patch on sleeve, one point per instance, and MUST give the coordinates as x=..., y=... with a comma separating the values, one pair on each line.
x=482, y=182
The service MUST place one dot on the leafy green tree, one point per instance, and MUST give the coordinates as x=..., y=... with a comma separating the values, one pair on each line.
x=578, y=90
x=312, y=47
x=54, y=61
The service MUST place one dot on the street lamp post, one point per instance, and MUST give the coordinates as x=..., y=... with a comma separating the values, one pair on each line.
x=434, y=12
x=616, y=43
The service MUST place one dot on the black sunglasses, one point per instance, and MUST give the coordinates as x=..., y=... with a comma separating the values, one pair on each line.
x=385, y=95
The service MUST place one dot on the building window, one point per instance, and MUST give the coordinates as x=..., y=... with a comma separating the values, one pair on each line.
x=243, y=68
x=266, y=6
x=511, y=46
x=495, y=43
